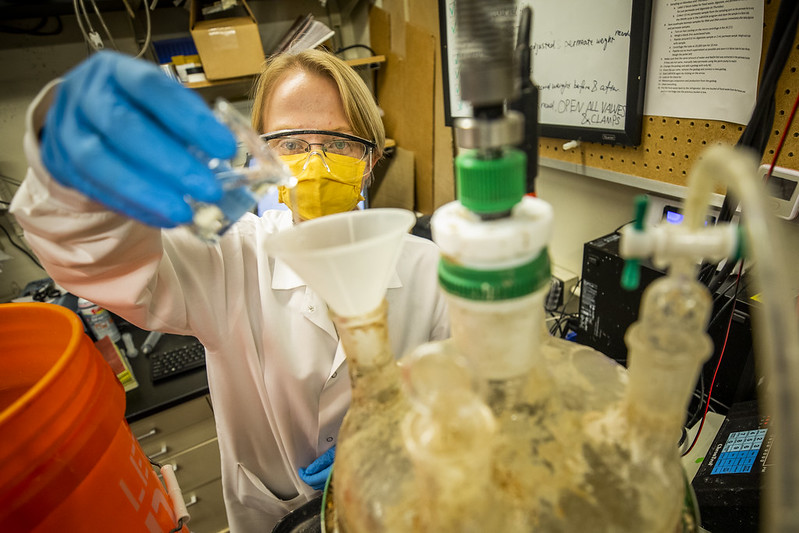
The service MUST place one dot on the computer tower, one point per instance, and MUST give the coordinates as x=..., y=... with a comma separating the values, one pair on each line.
x=607, y=310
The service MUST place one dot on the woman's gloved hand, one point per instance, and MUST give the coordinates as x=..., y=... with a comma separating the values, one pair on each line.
x=125, y=135
x=316, y=473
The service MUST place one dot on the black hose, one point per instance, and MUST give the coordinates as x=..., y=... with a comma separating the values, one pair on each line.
x=758, y=130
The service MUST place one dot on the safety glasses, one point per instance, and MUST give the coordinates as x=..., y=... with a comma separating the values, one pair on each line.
x=336, y=147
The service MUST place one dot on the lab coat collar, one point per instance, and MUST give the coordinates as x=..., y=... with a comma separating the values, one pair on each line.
x=283, y=277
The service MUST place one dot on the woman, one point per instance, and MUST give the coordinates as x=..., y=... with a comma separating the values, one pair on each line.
x=112, y=150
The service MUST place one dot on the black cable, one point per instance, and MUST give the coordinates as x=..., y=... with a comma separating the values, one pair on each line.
x=777, y=55
x=563, y=315
x=721, y=276
x=758, y=130
x=619, y=228
x=716, y=283
x=726, y=305
x=694, y=418
x=350, y=47
x=706, y=272
x=723, y=294
x=20, y=248
x=721, y=404
x=563, y=323
x=557, y=327
x=683, y=436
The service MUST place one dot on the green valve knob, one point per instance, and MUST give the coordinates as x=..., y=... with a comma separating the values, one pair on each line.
x=740, y=250
x=631, y=274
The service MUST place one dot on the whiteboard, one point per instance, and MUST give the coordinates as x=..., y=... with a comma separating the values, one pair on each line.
x=588, y=61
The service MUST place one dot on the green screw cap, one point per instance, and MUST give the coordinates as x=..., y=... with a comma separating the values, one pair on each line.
x=492, y=285
x=491, y=185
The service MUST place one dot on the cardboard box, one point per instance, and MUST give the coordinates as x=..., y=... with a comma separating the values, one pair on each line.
x=228, y=47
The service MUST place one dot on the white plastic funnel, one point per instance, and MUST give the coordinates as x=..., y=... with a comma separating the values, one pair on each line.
x=347, y=258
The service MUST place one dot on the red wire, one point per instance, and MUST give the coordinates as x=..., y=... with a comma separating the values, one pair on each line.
x=732, y=313
x=782, y=138
x=718, y=364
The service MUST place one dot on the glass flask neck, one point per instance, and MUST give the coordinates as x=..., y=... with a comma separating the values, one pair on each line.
x=501, y=339
x=667, y=348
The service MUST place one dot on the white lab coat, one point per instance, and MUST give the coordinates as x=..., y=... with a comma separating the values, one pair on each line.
x=277, y=375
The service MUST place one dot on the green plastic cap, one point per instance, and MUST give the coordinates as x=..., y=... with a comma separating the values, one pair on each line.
x=492, y=285
x=491, y=185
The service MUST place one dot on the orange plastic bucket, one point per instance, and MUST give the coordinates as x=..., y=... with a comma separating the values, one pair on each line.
x=68, y=460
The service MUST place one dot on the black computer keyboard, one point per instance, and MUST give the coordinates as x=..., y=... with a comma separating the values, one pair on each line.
x=177, y=361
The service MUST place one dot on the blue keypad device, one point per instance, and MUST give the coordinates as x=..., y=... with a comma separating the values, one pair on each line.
x=739, y=452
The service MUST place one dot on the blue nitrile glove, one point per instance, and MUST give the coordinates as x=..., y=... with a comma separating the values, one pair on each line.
x=124, y=134
x=316, y=473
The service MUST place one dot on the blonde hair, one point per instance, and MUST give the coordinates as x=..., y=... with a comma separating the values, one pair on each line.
x=359, y=104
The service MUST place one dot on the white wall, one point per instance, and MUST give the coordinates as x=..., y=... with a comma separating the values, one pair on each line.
x=585, y=208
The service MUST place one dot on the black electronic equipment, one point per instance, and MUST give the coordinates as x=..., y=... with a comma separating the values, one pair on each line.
x=737, y=377
x=728, y=483
x=607, y=310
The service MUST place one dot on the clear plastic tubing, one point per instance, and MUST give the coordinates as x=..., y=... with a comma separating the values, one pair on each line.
x=777, y=327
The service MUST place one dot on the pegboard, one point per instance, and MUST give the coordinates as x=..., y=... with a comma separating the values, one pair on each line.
x=670, y=146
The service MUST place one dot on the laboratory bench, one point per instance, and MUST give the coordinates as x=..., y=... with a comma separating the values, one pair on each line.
x=173, y=422
x=149, y=398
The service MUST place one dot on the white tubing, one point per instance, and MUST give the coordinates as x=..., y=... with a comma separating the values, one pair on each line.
x=175, y=494
x=777, y=328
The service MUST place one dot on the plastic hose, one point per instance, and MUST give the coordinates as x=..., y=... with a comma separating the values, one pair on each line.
x=776, y=331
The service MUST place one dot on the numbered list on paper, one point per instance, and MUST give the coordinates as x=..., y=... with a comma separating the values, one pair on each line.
x=704, y=57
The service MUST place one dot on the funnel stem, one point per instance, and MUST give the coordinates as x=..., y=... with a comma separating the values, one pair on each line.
x=372, y=368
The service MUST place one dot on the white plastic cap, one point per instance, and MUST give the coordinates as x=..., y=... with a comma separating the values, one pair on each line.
x=466, y=239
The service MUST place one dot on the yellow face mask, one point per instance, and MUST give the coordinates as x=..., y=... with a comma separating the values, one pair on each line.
x=323, y=187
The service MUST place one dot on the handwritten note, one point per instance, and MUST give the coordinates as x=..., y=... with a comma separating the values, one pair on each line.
x=580, y=56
